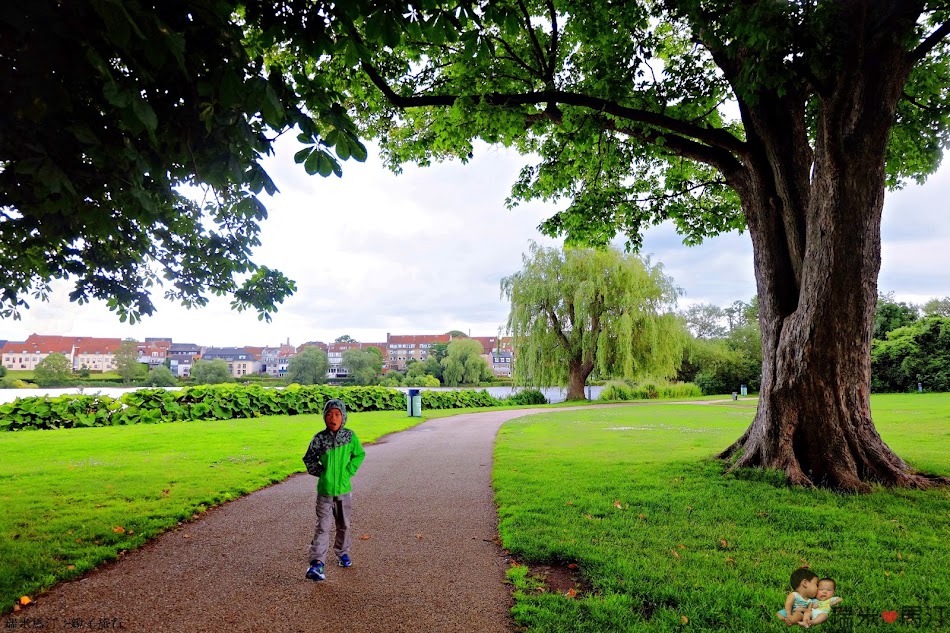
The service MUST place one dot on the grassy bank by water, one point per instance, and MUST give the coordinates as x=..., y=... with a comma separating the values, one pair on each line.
x=75, y=498
x=629, y=503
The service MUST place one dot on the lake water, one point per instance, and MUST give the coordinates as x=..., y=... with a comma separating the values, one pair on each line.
x=553, y=394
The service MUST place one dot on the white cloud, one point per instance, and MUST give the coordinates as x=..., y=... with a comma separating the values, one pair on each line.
x=423, y=252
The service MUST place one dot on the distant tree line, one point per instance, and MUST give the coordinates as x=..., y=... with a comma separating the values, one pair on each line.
x=910, y=346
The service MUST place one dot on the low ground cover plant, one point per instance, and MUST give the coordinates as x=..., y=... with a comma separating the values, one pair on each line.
x=73, y=499
x=628, y=502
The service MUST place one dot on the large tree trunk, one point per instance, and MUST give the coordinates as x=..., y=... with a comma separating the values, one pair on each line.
x=578, y=371
x=815, y=227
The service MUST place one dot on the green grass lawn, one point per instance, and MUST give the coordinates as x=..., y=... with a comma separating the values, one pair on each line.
x=659, y=540
x=73, y=499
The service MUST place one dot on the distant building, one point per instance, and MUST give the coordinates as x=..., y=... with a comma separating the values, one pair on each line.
x=181, y=357
x=501, y=364
x=335, y=356
x=96, y=354
x=275, y=360
x=405, y=347
x=153, y=351
x=240, y=361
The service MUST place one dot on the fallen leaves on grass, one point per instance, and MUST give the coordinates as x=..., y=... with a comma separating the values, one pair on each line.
x=364, y=537
x=25, y=600
x=119, y=529
x=675, y=553
x=618, y=505
x=571, y=593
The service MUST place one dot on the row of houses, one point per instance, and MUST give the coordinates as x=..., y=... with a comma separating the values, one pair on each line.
x=98, y=354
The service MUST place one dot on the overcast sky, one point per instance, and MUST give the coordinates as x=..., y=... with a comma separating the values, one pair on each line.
x=423, y=253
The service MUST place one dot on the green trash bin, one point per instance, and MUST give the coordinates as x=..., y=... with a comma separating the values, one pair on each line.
x=414, y=403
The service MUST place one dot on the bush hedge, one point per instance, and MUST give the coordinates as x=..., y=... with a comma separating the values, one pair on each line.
x=214, y=402
x=527, y=397
x=649, y=391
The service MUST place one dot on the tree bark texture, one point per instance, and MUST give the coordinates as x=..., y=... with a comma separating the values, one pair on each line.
x=578, y=371
x=815, y=228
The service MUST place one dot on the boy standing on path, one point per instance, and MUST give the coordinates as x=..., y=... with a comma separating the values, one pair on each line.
x=333, y=456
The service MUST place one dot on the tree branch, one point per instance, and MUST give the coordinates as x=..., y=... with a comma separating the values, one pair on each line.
x=555, y=38
x=712, y=147
x=559, y=329
x=538, y=50
x=931, y=42
x=724, y=161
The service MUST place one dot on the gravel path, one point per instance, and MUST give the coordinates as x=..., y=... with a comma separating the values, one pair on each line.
x=424, y=551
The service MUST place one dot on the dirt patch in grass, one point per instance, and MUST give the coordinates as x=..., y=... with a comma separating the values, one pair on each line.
x=562, y=579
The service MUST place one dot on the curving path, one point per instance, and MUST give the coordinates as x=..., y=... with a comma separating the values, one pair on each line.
x=425, y=557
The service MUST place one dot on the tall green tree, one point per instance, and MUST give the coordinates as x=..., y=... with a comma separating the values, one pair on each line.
x=578, y=310
x=112, y=111
x=160, y=376
x=915, y=353
x=53, y=371
x=309, y=367
x=785, y=119
x=364, y=365
x=463, y=363
x=890, y=314
x=705, y=321
x=937, y=307
x=210, y=372
x=126, y=360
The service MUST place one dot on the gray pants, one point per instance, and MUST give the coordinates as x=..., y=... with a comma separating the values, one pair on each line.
x=330, y=509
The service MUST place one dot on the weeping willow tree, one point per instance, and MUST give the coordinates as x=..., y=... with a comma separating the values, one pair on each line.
x=577, y=310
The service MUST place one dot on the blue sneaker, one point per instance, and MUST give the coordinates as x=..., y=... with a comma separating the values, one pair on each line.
x=345, y=561
x=316, y=571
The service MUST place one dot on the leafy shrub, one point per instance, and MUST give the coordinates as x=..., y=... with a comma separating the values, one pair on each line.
x=422, y=380
x=160, y=377
x=649, y=391
x=458, y=399
x=10, y=382
x=526, y=396
x=215, y=402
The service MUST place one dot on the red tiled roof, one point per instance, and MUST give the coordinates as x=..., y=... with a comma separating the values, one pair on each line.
x=51, y=344
x=418, y=338
x=489, y=343
x=91, y=345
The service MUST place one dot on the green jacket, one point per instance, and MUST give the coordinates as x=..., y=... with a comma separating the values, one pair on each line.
x=334, y=458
